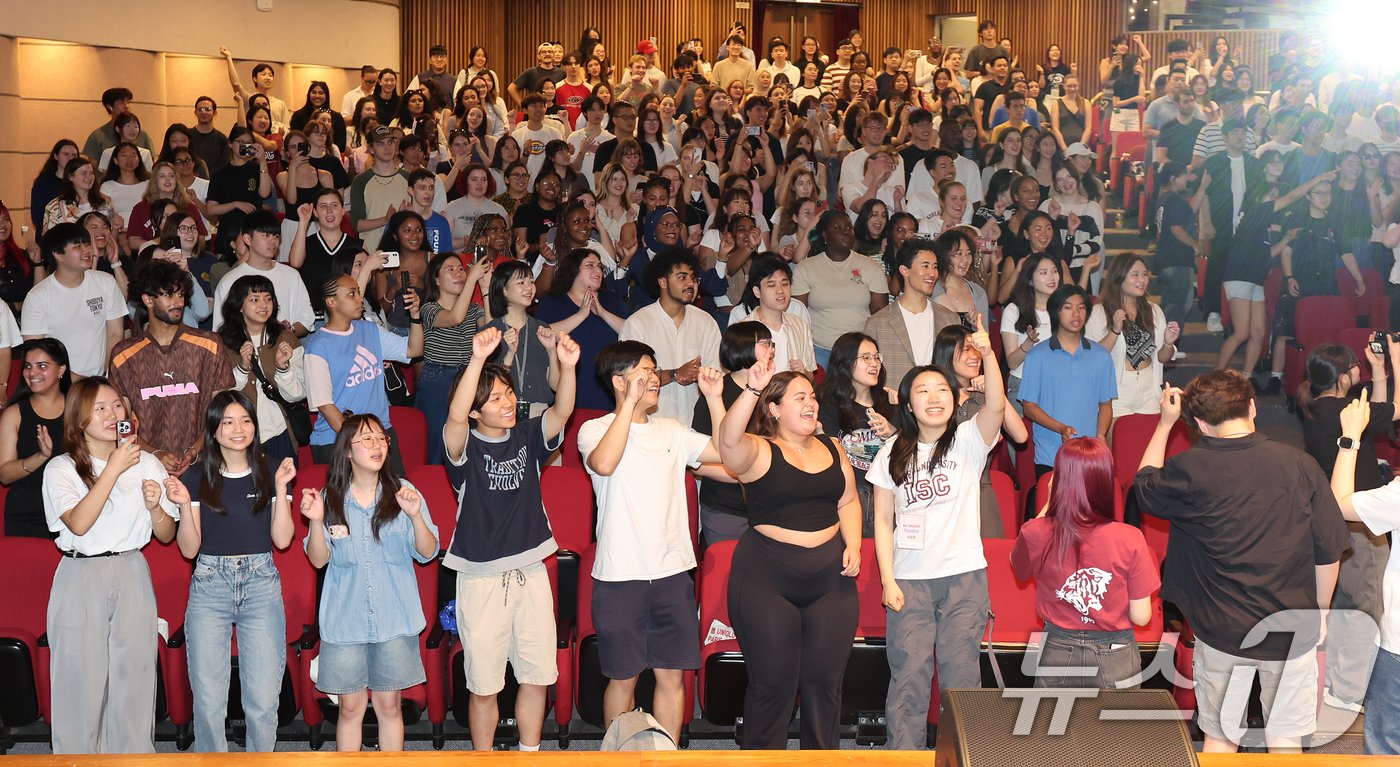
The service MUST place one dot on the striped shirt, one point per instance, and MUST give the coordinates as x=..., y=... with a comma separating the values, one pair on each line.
x=450, y=345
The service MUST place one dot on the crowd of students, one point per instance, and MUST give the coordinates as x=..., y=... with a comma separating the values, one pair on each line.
x=745, y=262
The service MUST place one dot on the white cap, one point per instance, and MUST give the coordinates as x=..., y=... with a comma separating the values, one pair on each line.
x=1077, y=148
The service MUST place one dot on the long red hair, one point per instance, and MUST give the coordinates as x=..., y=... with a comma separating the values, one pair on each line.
x=1083, y=494
x=11, y=254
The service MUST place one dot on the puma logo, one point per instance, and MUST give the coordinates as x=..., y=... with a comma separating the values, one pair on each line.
x=169, y=375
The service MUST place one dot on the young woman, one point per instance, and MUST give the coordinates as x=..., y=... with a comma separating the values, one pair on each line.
x=527, y=347
x=858, y=410
x=928, y=545
x=1135, y=332
x=107, y=252
x=22, y=266
x=366, y=524
x=404, y=235
x=1005, y=155
x=235, y=507
x=954, y=249
x=50, y=179
x=871, y=225
x=767, y=299
x=450, y=321
x=792, y=584
x=579, y=304
x=811, y=85
x=267, y=364
x=318, y=102
x=486, y=87
x=124, y=183
x=29, y=429
x=506, y=153
x=104, y=497
x=128, y=130
x=298, y=184
x=953, y=352
x=1069, y=114
x=1084, y=219
x=1025, y=322
x=324, y=155
x=516, y=176
x=164, y=184
x=1073, y=534
x=842, y=288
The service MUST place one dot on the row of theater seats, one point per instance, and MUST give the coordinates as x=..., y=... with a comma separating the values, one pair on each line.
x=27, y=567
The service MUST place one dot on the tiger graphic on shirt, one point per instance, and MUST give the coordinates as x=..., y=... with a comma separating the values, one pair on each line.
x=1084, y=590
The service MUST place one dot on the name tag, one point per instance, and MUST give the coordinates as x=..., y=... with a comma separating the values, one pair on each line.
x=909, y=534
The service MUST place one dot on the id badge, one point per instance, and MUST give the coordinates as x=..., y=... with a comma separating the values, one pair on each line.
x=910, y=532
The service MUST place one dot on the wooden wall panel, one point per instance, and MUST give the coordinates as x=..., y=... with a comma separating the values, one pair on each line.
x=1256, y=45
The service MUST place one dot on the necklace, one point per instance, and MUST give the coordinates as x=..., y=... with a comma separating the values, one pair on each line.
x=1234, y=434
x=799, y=448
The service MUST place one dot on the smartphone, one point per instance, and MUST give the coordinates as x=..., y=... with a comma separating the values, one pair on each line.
x=811, y=113
x=405, y=282
x=479, y=253
x=125, y=428
x=826, y=107
x=391, y=259
x=753, y=130
x=986, y=244
x=692, y=154
x=811, y=167
x=247, y=150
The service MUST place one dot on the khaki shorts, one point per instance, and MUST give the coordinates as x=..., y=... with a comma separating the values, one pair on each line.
x=1288, y=691
x=506, y=617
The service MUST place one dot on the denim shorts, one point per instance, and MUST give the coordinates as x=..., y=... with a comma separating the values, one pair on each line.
x=394, y=664
x=1244, y=289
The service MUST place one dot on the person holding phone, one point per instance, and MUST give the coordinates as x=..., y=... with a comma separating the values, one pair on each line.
x=104, y=497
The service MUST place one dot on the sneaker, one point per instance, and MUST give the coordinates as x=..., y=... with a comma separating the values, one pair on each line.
x=1178, y=355
x=1331, y=700
x=1274, y=386
x=1213, y=323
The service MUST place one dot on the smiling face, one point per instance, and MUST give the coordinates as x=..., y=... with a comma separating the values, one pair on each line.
x=1040, y=232
x=796, y=412
x=1134, y=283
x=650, y=393
x=921, y=275
x=41, y=372
x=498, y=411
x=1046, y=277
x=520, y=291
x=967, y=361
x=931, y=400
x=236, y=431
x=107, y=409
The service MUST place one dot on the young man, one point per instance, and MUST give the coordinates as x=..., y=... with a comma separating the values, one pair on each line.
x=1176, y=137
x=1161, y=110
x=655, y=77
x=1178, y=53
x=76, y=304
x=835, y=72
x=644, y=605
x=987, y=94
x=777, y=63
x=1013, y=115
x=422, y=190
x=1211, y=139
x=505, y=611
x=572, y=92
x=263, y=77
x=1231, y=173
x=623, y=122
x=685, y=337
x=117, y=103
x=169, y=372
x=238, y=189
x=529, y=81
x=369, y=78
x=921, y=201
x=345, y=362
x=1067, y=384
x=884, y=82
x=262, y=238
x=311, y=253
x=922, y=142
x=634, y=85
x=448, y=84
x=682, y=84
x=376, y=193
x=1177, y=239
x=905, y=330
x=734, y=66
x=1256, y=532
x=413, y=157
x=208, y=143
x=986, y=50
x=534, y=133
x=861, y=180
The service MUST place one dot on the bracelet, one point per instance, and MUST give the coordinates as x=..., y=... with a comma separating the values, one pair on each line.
x=415, y=320
x=753, y=391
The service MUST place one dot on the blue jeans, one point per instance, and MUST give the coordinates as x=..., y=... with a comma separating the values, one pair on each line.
x=245, y=592
x=823, y=357
x=1382, y=726
x=1178, y=285
x=433, y=395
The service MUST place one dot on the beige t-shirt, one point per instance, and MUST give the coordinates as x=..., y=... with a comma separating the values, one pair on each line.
x=838, y=294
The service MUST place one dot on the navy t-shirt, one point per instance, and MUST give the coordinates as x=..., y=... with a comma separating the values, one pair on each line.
x=501, y=522
x=237, y=531
x=1172, y=211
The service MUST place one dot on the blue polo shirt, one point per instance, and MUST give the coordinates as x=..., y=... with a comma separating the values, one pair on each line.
x=1069, y=388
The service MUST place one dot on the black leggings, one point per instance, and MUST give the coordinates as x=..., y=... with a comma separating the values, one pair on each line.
x=795, y=615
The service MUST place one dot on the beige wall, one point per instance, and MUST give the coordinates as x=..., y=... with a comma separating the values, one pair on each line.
x=166, y=66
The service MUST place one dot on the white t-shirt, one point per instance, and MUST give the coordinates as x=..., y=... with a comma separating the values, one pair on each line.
x=77, y=317
x=124, y=197
x=1379, y=509
x=921, y=333
x=697, y=336
x=838, y=294
x=587, y=168
x=532, y=144
x=945, y=502
x=10, y=336
x=293, y=304
x=643, y=523
x=1010, y=315
x=123, y=524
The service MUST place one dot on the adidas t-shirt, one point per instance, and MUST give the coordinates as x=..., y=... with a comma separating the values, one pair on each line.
x=948, y=500
x=344, y=368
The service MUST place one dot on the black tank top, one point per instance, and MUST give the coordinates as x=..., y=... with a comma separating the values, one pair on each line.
x=24, y=505
x=305, y=194
x=1071, y=123
x=793, y=499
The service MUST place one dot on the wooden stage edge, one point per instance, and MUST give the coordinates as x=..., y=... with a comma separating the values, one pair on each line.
x=863, y=758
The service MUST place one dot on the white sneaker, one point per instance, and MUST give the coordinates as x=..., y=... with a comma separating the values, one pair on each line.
x=1213, y=323
x=1178, y=355
x=1331, y=700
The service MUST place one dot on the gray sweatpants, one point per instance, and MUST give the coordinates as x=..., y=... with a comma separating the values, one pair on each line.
x=950, y=613
x=102, y=639
x=1351, y=634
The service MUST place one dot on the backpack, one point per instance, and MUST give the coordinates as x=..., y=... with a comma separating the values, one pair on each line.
x=637, y=731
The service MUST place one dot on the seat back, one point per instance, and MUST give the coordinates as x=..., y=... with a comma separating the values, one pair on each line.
x=412, y=428
x=1014, y=616
x=568, y=500
x=1373, y=307
x=441, y=497
x=1273, y=291
x=723, y=677
x=1130, y=435
x=27, y=568
x=568, y=452
x=1011, y=512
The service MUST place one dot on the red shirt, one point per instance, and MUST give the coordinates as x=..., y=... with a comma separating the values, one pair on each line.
x=1092, y=593
x=571, y=98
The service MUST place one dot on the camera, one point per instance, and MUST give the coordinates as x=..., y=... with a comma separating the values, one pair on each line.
x=1378, y=340
x=247, y=150
x=125, y=428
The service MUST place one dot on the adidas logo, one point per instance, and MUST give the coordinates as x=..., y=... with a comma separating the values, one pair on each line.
x=366, y=367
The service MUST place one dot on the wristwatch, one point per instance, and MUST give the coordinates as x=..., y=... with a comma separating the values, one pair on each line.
x=1347, y=443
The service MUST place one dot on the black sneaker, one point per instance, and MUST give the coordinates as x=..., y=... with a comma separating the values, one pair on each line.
x=1254, y=382
x=1275, y=385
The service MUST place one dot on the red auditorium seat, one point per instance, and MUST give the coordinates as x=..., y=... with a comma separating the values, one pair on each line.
x=1319, y=319
x=27, y=568
x=412, y=428
x=170, y=578
x=1005, y=492
x=1373, y=308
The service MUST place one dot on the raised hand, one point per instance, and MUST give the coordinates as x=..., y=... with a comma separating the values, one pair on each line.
x=286, y=472
x=1119, y=317
x=760, y=373
x=127, y=455
x=512, y=339
x=1171, y=404
x=313, y=504
x=151, y=492
x=283, y=356
x=1173, y=332
x=637, y=382
x=980, y=339
x=485, y=342
x=711, y=382
x=547, y=337
x=1356, y=416
x=245, y=353
x=409, y=501
x=566, y=350
x=45, y=441
x=304, y=210
x=175, y=490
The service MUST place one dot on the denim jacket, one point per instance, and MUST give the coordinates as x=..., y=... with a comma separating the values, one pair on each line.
x=370, y=592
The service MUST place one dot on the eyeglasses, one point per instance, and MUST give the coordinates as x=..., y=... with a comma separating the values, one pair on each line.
x=1369, y=156
x=371, y=440
x=768, y=342
x=519, y=174
x=187, y=229
x=869, y=358
x=185, y=161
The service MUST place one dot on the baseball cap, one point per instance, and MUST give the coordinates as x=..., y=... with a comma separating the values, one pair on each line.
x=1078, y=149
x=438, y=50
x=646, y=47
x=381, y=132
